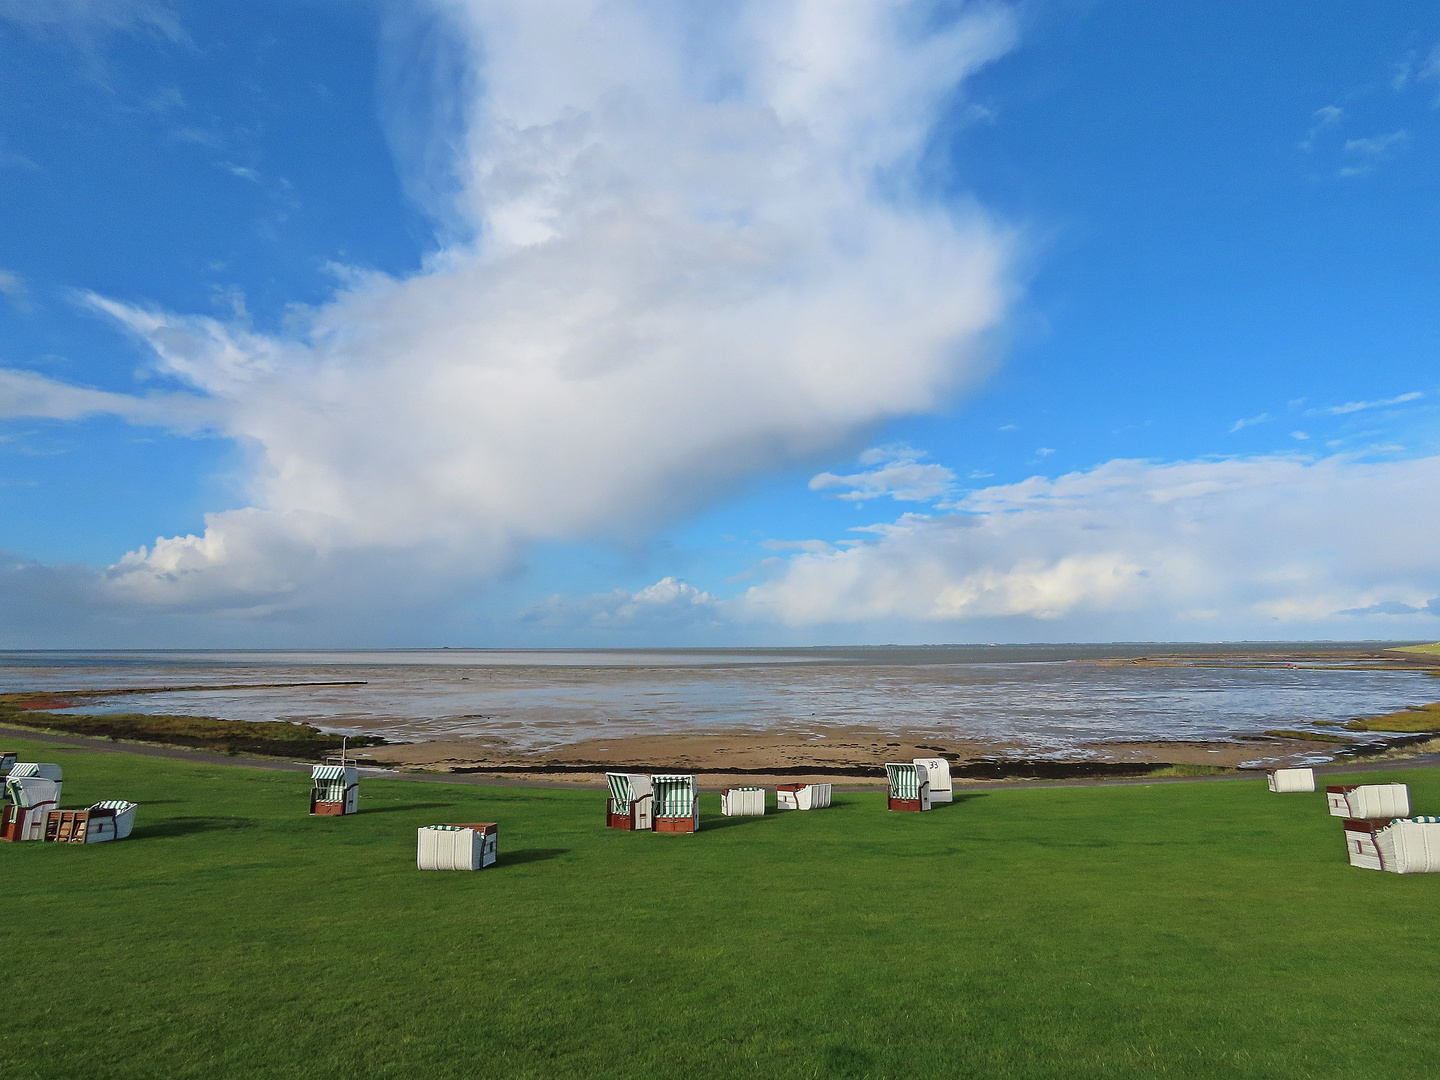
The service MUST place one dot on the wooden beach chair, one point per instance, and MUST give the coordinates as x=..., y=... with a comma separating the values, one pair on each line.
x=631, y=804
x=677, y=803
x=336, y=790
x=1366, y=801
x=802, y=796
x=28, y=801
x=1399, y=845
x=743, y=802
x=909, y=786
x=937, y=770
x=1281, y=780
x=457, y=847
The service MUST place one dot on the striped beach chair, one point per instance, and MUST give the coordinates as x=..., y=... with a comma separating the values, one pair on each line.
x=802, y=796
x=457, y=847
x=743, y=802
x=677, y=803
x=631, y=805
x=1399, y=845
x=909, y=786
x=1281, y=780
x=937, y=770
x=1368, y=801
x=336, y=790
x=29, y=799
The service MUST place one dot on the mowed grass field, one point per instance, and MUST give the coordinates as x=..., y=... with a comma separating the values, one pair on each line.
x=1187, y=930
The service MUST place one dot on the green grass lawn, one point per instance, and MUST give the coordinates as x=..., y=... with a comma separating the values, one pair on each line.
x=1197, y=930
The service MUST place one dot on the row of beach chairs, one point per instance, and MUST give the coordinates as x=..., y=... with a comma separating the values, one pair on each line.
x=1380, y=833
x=32, y=810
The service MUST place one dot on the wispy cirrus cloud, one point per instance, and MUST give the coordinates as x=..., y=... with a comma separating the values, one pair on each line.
x=900, y=476
x=1357, y=406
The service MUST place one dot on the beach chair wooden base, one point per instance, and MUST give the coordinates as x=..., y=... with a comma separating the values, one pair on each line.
x=619, y=821
x=328, y=809
x=909, y=805
x=79, y=826
x=675, y=824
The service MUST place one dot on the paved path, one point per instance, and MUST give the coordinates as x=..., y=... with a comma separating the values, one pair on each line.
x=204, y=757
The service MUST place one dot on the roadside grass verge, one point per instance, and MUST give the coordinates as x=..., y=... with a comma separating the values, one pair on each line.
x=1171, y=930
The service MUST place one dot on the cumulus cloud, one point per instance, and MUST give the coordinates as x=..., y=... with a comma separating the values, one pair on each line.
x=900, y=476
x=1265, y=547
x=668, y=604
x=687, y=248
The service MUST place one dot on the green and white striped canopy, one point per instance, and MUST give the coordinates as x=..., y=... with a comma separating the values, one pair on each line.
x=674, y=795
x=904, y=780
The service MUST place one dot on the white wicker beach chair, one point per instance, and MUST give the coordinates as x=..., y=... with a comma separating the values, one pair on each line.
x=336, y=790
x=937, y=770
x=677, y=803
x=1400, y=845
x=123, y=812
x=457, y=847
x=802, y=796
x=909, y=786
x=28, y=800
x=1361, y=801
x=631, y=804
x=1281, y=780
x=743, y=802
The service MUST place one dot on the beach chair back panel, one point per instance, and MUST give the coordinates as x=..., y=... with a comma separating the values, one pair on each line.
x=937, y=772
x=456, y=847
x=743, y=802
x=1410, y=846
x=1379, y=801
x=1282, y=780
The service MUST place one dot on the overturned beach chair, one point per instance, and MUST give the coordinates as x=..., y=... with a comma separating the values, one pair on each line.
x=677, y=803
x=937, y=769
x=1281, y=780
x=1399, y=845
x=909, y=786
x=1368, y=801
x=802, y=796
x=31, y=791
x=632, y=801
x=336, y=790
x=743, y=802
x=457, y=847
x=110, y=820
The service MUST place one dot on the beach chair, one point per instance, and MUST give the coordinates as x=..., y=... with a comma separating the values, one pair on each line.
x=457, y=847
x=743, y=802
x=123, y=813
x=43, y=770
x=802, y=796
x=28, y=800
x=937, y=769
x=1399, y=845
x=631, y=804
x=336, y=790
x=1368, y=801
x=677, y=803
x=909, y=786
x=7, y=759
x=1291, y=779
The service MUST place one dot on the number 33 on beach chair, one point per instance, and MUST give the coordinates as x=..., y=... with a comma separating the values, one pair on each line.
x=909, y=786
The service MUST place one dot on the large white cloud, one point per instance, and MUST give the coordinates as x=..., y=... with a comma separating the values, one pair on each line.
x=1261, y=548
x=690, y=249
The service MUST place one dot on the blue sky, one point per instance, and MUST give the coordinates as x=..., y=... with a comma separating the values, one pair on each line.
x=582, y=323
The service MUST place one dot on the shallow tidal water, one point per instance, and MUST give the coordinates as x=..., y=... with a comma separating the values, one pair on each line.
x=1043, y=700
